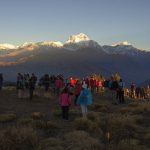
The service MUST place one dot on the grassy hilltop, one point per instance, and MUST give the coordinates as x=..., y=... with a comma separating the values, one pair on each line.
x=37, y=124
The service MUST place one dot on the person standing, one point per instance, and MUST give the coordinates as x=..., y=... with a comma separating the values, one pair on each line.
x=32, y=84
x=65, y=102
x=20, y=85
x=121, y=87
x=31, y=88
x=78, y=88
x=84, y=99
x=1, y=81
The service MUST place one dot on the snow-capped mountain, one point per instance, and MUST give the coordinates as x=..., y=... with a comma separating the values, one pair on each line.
x=79, y=41
x=75, y=42
x=46, y=44
x=7, y=46
x=123, y=48
x=77, y=38
x=124, y=43
x=51, y=44
x=77, y=56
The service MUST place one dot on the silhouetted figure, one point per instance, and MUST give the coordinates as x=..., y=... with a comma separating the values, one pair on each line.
x=26, y=80
x=1, y=81
x=20, y=85
x=121, y=91
x=46, y=82
x=31, y=88
x=32, y=83
x=78, y=88
x=132, y=88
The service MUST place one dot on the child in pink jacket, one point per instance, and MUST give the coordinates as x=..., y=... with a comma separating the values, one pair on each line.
x=65, y=102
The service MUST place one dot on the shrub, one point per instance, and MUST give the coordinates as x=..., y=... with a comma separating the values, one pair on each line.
x=100, y=108
x=25, y=122
x=130, y=145
x=18, y=138
x=134, y=104
x=7, y=118
x=119, y=127
x=50, y=144
x=89, y=126
x=82, y=124
x=37, y=115
x=80, y=140
x=93, y=116
x=72, y=112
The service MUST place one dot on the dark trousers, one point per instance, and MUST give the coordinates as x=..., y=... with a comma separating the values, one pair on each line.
x=31, y=93
x=75, y=100
x=65, y=112
x=121, y=96
x=46, y=87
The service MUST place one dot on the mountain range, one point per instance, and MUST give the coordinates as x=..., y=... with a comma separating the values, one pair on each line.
x=78, y=56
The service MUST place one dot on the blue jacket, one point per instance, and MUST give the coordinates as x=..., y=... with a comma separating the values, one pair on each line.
x=85, y=97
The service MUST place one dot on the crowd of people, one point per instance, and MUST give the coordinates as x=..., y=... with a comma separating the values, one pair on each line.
x=78, y=90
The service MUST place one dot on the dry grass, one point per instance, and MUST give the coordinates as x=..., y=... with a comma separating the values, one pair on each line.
x=107, y=127
x=18, y=139
x=81, y=140
x=50, y=144
x=87, y=125
x=135, y=109
x=93, y=116
x=100, y=107
x=119, y=127
x=37, y=115
x=25, y=122
x=73, y=112
x=131, y=144
x=7, y=117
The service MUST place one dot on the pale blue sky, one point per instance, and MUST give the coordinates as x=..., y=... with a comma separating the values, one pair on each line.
x=106, y=21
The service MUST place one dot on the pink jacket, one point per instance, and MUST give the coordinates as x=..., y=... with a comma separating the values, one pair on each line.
x=64, y=99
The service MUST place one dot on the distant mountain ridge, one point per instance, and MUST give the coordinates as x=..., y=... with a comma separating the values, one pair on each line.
x=77, y=56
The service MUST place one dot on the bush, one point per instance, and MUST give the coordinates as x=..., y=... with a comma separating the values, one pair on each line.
x=100, y=108
x=130, y=145
x=93, y=116
x=80, y=140
x=25, y=122
x=50, y=144
x=37, y=115
x=119, y=127
x=18, y=138
x=89, y=126
x=7, y=118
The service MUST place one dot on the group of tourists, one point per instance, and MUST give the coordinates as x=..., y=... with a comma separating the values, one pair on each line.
x=26, y=82
x=138, y=92
x=79, y=90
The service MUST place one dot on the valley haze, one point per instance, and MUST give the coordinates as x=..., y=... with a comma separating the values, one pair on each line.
x=78, y=56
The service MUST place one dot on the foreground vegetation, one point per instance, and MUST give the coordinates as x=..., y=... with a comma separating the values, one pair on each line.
x=37, y=124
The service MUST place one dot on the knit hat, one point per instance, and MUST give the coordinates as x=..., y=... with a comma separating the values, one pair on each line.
x=84, y=86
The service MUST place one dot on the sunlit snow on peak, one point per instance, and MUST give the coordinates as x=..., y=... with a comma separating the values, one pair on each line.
x=78, y=38
x=125, y=43
x=7, y=46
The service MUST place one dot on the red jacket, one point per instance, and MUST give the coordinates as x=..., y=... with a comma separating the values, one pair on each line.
x=78, y=90
x=59, y=83
x=64, y=99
